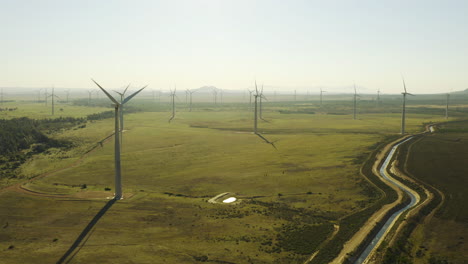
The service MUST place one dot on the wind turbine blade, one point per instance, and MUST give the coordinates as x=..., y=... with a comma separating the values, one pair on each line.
x=410, y=94
x=404, y=85
x=131, y=96
x=126, y=89
x=121, y=94
x=108, y=95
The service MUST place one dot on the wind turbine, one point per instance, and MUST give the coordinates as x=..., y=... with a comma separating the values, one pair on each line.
x=215, y=95
x=173, y=95
x=122, y=96
x=256, y=95
x=321, y=94
x=250, y=98
x=355, y=102
x=67, y=94
x=261, y=99
x=403, y=113
x=117, y=105
x=378, y=97
x=45, y=96
x=52, y=98
x=190, y=98
x=39, y=95
x=447, y=106
x=90, y=92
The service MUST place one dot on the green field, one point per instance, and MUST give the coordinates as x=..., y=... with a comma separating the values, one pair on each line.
x=293, y=193
x=439, y=160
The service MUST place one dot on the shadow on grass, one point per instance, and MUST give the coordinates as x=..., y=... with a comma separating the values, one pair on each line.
x=66, y=258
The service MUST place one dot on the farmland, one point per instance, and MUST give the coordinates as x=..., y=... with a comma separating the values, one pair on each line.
x=287, y=195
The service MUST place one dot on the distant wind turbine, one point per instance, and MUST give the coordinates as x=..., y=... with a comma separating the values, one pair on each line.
x=250, y=97
x=90, y=92
x=117, y=105
x=173, y=95
x=67, y=92
x=403, y=113
x=46, y=95
x=215, y=95
x=321, y=95
x=122, y=96
x=259, y=95
x=378, y=98
x=261, y=107
x=355, y=102
x=39, y=95
x=52, y=97
x=190, y=92
x=447, y=106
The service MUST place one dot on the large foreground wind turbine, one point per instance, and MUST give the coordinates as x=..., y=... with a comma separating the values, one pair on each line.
x=403, y=113
x=117, y=105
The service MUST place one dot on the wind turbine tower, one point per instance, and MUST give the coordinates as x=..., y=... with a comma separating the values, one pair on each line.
x=403, y=113
x=447, y=106
x=378, y=98
x=190, y=98
x=261, y=107
x=117, y=105
x=52, y=96
x=250, y=98
x=122, y=96
x=67, y=94
x=355, y=102
x=321, y=95
x=215, y=95
x=173, y=95
x=46, y=95
x=90, y=92
x=256, y=95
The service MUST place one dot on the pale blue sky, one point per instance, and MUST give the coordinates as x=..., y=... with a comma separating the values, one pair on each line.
x=291, y=44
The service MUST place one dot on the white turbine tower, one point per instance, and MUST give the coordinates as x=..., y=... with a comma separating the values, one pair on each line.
x=403, y=113
x=117, y=105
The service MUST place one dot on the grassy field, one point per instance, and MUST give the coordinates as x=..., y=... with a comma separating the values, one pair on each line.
x=170, y=170
x=443, y=237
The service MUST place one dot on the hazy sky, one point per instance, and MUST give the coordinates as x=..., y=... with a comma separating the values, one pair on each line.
x=292, y=44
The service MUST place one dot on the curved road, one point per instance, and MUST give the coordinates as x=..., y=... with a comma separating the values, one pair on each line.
x=364, y=257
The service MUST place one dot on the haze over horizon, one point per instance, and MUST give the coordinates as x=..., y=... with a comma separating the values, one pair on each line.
x=228, y=44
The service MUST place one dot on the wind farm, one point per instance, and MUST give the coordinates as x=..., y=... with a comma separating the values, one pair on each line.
x=234, y=132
